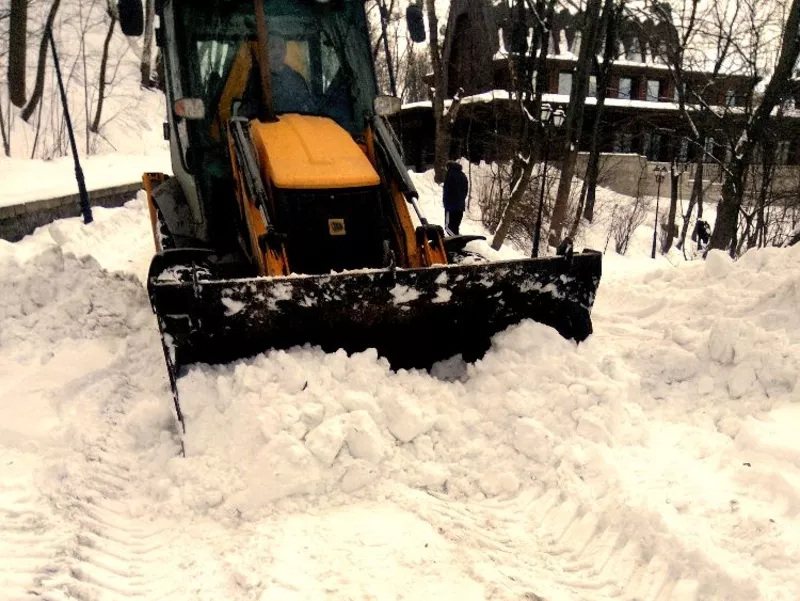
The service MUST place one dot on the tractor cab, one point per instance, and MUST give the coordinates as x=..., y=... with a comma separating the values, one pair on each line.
x=318, y=63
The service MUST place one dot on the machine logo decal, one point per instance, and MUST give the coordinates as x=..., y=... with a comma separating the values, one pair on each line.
x=336, y=227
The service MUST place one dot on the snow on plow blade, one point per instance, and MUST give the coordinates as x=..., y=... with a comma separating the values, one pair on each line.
x=413, y=317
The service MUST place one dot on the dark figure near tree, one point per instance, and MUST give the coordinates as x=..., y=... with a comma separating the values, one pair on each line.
x=701, y=234
x=456, y=186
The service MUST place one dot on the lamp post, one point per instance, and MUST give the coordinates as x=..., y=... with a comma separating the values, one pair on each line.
x=549, y=119
x=660, y=172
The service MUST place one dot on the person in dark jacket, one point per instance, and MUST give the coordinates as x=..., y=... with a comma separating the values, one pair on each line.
x=290, y=92
x=454, y=196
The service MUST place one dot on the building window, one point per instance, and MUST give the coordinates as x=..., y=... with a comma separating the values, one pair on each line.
x=653, y=90
x=758, y=154
x=782, y=152
x=660, y=52
x=575, y=48
x=634, y=51
x=593, y=86
x=565, y=83
x=623, y=142
x=625, y=88
x=652, y=146
x=730, y=98
x=683, y=153
x=709, y=150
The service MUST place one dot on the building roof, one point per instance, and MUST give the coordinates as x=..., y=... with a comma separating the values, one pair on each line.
x=647, y=27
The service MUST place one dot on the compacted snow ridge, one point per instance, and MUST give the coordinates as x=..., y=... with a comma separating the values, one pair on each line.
x=657, y=461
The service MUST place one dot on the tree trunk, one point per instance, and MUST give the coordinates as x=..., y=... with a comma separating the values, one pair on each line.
x=696, y=197
x=700, y=195
x=574, y=124
x=101, y=92
x=573, y=230
x=530, y=141
x=674, y=179
x=147, y=43
x=38, y=134
x=441, y=147
x=610, y=18
x=38, y=87
x=82, y=55
x=767, y=171
x=18, y=27
x=3, y=134
x=724, y=235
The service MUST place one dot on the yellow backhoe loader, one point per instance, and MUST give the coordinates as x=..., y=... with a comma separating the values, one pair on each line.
x=291, y=218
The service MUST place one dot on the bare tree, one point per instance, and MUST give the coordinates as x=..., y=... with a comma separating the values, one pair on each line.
x=699, y=41
x=18, y=17
x=412, y=84
x=609, y=24
x=669, y=228
x=625, y=218
x=724, y=236
x=38, y=87
x=696, y=195
x=3, y=134
x=397, y=66
x=101, y=85
x=443, y=121
x=574, y=122
x=530, y=128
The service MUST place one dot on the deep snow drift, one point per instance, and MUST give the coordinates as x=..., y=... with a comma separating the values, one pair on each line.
x=656, y=461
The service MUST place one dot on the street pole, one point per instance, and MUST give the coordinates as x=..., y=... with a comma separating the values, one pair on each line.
x=659, y=179
x=542, y=186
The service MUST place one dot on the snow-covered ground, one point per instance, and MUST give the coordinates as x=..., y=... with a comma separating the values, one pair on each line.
x=30, y=180
x=656, y=461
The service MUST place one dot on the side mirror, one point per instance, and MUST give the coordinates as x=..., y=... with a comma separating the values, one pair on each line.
x=415, y=23
x=18, y=26
x=131, y=17
x=192, y=109
x=387, y=105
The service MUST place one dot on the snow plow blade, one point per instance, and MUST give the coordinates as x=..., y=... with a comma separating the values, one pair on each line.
x=413, y=317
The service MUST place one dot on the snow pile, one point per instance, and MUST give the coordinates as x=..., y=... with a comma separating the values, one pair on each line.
x=118, y=239
x=326, y=423
x=65, y=321
x=307, y=422
x=656, y=460
x=648, y=426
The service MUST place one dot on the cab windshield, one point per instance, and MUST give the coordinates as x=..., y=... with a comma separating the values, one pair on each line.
x=320, y=62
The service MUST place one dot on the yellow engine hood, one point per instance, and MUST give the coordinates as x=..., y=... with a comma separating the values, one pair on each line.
x=307, y=152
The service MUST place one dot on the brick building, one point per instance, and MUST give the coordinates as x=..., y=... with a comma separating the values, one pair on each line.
x=641, y=114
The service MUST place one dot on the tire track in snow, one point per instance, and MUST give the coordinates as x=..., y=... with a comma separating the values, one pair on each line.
x=74, y=531
x=548, y=546
x=29, y=539
x=79, y=518
x=89, y=547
